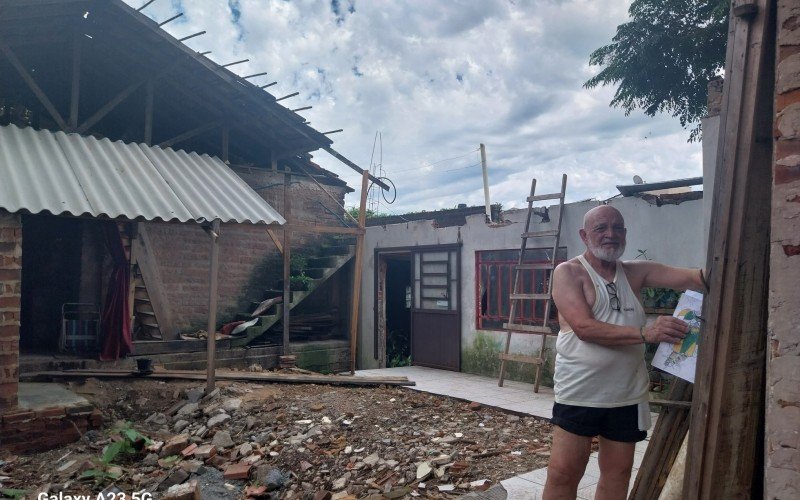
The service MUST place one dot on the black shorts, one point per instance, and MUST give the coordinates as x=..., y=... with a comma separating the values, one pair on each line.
x=616, y=424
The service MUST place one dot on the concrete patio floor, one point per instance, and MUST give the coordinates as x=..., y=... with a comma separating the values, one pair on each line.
x=517, y=397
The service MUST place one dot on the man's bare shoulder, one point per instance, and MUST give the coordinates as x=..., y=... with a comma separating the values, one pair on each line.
x=571, y=269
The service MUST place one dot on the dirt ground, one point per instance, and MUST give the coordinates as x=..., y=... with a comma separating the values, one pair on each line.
x=295, y=441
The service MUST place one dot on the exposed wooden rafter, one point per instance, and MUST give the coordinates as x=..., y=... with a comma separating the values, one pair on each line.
x=46, y=102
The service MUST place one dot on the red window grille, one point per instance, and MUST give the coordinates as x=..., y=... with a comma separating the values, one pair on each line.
x=494, y=271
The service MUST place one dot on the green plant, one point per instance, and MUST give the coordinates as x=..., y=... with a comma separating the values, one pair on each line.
x=664, y=298
x=641, y=254
x=299, y=281
x=298, y=262
x=126, y=441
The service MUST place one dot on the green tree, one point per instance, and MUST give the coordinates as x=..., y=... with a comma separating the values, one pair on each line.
x=663, y=58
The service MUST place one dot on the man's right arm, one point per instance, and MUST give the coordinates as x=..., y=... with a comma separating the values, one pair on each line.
x=571, y=302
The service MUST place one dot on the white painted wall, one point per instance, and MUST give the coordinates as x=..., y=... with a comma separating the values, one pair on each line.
x=671, y=234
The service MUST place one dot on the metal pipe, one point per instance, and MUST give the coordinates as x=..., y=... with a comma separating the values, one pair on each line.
x=170, y=19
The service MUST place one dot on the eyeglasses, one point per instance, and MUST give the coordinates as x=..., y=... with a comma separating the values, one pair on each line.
x=613, y=299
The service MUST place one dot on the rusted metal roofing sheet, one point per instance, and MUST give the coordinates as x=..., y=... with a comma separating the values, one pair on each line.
x=72, y=174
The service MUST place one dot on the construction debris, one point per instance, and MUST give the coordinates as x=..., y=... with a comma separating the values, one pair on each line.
x=287, y=378
x=286, y=441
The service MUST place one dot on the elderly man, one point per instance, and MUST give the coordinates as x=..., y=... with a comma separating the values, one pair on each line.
x=601, y=382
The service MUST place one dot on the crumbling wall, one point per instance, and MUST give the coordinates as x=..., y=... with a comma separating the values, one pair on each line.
x=249, y=262
x=10, y=300
x=782, y=443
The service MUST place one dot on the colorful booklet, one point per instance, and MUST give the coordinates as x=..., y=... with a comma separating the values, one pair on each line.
x=681, y=359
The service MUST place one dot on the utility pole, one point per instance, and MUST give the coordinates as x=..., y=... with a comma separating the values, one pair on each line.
x=486, y=184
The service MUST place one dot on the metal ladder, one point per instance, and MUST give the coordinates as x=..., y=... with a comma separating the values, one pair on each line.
x=516, y=297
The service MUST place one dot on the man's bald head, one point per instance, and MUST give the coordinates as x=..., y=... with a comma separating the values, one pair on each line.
x=604, y=233
x=601, y=212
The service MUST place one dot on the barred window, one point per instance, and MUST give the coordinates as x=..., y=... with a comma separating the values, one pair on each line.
x=494, y=270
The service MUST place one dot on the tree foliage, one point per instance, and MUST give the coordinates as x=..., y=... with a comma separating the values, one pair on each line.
x=663, y=58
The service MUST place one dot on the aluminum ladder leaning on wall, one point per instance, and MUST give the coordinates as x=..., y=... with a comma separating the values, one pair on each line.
x=516, y=297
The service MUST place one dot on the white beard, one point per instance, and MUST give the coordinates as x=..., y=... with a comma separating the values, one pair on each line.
x=610, y=255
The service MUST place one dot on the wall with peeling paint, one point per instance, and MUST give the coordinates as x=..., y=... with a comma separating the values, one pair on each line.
x=782, y=440
x=671, y=234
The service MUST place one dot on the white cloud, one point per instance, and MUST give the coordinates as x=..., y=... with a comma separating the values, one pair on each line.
x=438, y=78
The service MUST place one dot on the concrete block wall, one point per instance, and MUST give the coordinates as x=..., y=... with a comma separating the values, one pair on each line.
x=10, y=299
x=782, y=440
x=249, y=261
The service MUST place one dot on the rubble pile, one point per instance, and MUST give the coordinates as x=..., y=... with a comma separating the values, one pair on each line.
x=302, y=442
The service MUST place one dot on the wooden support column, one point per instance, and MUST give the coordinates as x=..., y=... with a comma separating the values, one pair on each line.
x=74, y=102
x=273, y=160
x=212, y=307
x=287, y=256
x=725, y=453
x=148, y=112
x=356, y=300
x=226, y=141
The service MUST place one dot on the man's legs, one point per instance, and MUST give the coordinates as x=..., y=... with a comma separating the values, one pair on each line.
x=568, y=457
x=616, y=461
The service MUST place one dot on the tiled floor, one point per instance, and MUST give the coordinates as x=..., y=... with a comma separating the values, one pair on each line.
x=517, y=397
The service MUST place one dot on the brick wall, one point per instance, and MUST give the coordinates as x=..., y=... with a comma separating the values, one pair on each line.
x=249, y=261
x=782, y=473
x=10, y=294
x=41, y=430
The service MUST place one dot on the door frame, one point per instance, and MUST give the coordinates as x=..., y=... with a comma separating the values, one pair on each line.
x=379, y=309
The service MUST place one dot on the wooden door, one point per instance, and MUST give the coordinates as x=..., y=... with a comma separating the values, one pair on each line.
x=436, y=307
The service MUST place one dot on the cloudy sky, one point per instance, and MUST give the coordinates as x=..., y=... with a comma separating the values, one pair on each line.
x=435, y=78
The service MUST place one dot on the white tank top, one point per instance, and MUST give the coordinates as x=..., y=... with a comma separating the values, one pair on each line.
x=589, y=374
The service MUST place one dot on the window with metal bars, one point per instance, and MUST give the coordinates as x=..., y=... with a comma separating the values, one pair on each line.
x=494, y=272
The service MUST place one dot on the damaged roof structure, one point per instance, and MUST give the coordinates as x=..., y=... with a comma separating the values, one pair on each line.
x=142, y=185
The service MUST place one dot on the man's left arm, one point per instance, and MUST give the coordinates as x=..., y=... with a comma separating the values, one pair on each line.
x=653, y=274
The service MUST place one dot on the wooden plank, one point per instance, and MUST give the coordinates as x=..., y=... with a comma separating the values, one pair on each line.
x=211, y=364
x=355, y=167
x=227, y=375
x=287, y=255
x=520, y=358
x=75, y=91
x=529, y=296
x=148, y=266
x=666, y=439
x=38, y=92
x=538, y=265
x=275, y=239
x=109, y=106
x=148, y=112
x=191, y=133
x=725, y=447
x=672, y=404
x=226, y=138
x=542, y=197
x=529, y=328
x=356, y=297
x=539, y=234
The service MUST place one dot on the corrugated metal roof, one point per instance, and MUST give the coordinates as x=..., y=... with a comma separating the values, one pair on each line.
x=68, y=173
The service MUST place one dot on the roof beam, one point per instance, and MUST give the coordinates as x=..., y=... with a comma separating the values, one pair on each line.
x=191, y=133
x=114, y=102
x=162, y=23
x=46, y=102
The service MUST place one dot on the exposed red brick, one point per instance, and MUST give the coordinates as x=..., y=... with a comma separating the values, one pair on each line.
x=784, y=174
x=51, y=412
x=10, y=274
x=9, y=302
x=16, y=417
x=237, y=471
x=791, y=250
x=9, y=332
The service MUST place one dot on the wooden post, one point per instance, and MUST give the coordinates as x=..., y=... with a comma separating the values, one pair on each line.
x=212, y=307
x=148, y=112
x=725, y=451
x=76, y=82
x=273, y=160
x=226, y=138
x=362, y=222
x=287, y=256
